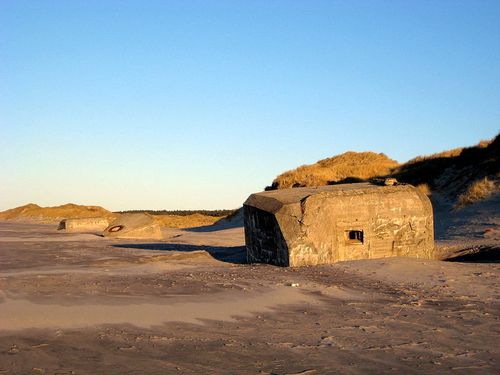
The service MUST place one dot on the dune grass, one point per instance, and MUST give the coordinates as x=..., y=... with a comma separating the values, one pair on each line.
x=463, y=175
x=33, y=212
x=424, y=188
x=478, y=190
x=186, y=221
x=353, y=165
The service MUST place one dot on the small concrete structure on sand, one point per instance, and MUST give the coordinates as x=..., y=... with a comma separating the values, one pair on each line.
x=328, y=224
x=84, y=224
x=137, y=225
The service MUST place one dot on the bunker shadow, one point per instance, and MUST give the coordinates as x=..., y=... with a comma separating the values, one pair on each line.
x=483, y=255
x=228, y=254
x=214, y=228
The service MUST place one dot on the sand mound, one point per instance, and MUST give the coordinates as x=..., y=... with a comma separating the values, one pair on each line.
x=48, y=215
x=471, y=173
x=350, y=165
x=51, y=215
x=234, y=220
x=456, y=173
x=186, y=221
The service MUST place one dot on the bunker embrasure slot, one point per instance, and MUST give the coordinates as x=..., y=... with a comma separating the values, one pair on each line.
x=354, y=236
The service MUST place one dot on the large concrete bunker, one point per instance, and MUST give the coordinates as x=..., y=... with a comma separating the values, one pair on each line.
x=309, y=226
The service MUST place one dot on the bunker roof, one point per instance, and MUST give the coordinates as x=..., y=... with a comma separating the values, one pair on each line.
x=273, y=200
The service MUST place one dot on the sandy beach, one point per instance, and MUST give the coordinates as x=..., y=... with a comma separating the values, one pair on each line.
x=77, y=303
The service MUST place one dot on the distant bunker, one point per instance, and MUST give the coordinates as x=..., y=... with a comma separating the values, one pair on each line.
x=134, y=226
x=328, y=224
x=84, y=224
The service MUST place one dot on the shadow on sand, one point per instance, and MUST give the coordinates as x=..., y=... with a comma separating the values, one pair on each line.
x=214, y=228
x=229, y=254
x=479, y=255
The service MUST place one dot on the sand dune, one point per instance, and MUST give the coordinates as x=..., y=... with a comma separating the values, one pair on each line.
x=34, y=213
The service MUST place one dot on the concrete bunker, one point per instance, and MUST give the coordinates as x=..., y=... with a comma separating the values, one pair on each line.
x=328, y=224
x=137, y=225
x=83, y=224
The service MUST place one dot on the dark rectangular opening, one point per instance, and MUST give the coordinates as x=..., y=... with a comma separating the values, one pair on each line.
x=354, y=236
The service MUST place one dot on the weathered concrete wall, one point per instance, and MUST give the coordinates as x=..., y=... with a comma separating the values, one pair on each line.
x=134, y=226
x=317, y=224
x=267, y=245
x=84, y=224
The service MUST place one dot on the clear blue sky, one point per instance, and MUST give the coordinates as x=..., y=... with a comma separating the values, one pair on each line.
x=196, y=104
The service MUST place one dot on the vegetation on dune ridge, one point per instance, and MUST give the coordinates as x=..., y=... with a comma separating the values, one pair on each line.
x=349, y=165
x=463, y=175
x=453, y=173
x=186, y=221
x=478, y=190
x=34, y=212
x=50, y=215
x=216, y=213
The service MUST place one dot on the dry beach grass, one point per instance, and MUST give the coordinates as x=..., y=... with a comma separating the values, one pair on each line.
x=470, y=173
x=354, y=165
x=477, y=191
x=53, y=215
